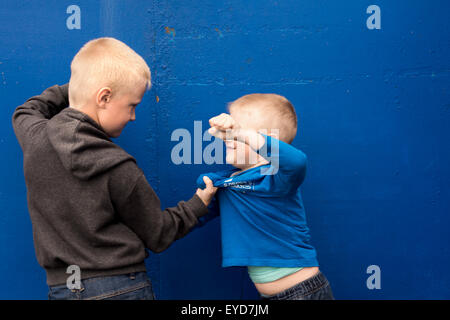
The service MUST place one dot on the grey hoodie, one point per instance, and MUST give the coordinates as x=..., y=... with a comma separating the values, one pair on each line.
x=89, y=203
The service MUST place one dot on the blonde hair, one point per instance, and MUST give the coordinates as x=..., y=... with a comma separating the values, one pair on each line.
x=106, y=62
x=275, y=111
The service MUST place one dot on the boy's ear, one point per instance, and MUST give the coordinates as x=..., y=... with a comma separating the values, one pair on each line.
x=103, y=96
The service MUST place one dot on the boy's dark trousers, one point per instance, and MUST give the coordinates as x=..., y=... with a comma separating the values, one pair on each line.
x=132, y=286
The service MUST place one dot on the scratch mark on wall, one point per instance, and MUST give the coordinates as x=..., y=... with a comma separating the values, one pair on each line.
x=218, y=32
x=170, y=31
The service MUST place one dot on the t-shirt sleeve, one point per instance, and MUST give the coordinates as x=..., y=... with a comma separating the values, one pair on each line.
x=287, y=163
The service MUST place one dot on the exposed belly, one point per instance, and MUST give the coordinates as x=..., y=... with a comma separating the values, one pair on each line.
x=277, y=286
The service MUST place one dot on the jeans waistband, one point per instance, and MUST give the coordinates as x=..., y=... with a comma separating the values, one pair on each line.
x=59, y=276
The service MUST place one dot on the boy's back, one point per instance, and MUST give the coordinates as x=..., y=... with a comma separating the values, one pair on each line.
x=63, y=161
x=89, y=203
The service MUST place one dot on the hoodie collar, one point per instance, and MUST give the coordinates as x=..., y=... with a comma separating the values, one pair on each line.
x=82, y=145
x=79, y=115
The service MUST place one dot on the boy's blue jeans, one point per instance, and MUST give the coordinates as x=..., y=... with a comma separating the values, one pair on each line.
x=314, y=288
x=132, y=286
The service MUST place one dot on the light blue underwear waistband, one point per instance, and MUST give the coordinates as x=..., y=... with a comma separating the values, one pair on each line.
x=269, y=274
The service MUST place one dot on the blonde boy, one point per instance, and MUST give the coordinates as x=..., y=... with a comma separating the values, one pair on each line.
x=90, y=205
x=262, y=216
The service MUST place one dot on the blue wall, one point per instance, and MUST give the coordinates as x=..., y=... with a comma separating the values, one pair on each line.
x=374, y=120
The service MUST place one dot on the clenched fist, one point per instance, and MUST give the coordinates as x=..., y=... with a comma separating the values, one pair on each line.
x=223, y=127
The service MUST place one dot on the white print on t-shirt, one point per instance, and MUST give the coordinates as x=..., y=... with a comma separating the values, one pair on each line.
x=240, y=185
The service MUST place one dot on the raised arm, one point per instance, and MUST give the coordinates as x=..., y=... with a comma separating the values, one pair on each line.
x=288, y=164
x=30, y=116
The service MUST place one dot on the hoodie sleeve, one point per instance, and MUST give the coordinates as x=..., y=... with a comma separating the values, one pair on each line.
x=37, y=110
x=140, y=210
x=213, y=212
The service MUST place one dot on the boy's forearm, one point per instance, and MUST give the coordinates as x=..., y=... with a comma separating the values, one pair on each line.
x=158, y=229
x=50, y=102
x=251, y=137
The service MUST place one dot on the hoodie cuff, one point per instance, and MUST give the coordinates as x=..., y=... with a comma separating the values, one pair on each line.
x=197, y=206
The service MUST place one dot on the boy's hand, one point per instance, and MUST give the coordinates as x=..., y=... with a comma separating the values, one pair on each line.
x=225, y=127
x=223, y=122
x=208, y=193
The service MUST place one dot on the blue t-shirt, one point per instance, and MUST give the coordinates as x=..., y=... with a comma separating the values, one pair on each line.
x=262, y=216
